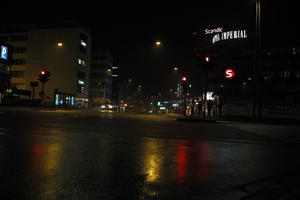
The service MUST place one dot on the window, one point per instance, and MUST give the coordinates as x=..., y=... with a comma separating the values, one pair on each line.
x=97, y=84
x=18, y=38
x=18, y=74
x=97, y=75
x=18, y=85
x=97, y=95
x=80, y=88
x=3, y=38
x=20, y=49
x=19, y=62
x=83, y=43
x=81, y=82
x=285, y=74
x=80, y=75
x=81, y=62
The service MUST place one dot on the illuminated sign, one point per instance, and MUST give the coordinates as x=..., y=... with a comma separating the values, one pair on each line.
x=239, y=34
x=211, y=31
x=209, y=96
x=4, y=52
x=229, y=73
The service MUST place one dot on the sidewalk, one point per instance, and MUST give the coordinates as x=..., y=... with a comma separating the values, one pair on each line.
x=32, y=108
x=241, y=119
x=275, y=121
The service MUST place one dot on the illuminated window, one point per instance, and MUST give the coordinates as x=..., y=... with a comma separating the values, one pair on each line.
x=285, y=74
x=80, y=82
x=294, y=51
x=83, y=43
x=81, y=62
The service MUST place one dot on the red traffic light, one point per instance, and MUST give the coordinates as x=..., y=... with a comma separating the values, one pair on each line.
x=184, y=79
x=44, y=75
x=207, y=59
x=42, y=72
x=229, y=73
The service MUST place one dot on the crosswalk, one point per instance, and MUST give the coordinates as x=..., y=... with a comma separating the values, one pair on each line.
x=291, y=132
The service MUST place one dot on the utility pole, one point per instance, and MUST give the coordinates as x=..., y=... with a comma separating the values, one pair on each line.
x=257, y=99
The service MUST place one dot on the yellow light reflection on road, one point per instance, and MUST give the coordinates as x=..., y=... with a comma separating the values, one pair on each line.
x=152, y=160
x=46, y=164
x=53, y=157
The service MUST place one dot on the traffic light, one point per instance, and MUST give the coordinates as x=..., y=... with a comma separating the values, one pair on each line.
x=44, y=76
x=184, y=82
x=207, y=59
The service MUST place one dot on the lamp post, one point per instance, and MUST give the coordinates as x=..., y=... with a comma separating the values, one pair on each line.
x=257, y=67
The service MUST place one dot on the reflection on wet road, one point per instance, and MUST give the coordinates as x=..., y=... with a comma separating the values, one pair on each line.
x=113, y=156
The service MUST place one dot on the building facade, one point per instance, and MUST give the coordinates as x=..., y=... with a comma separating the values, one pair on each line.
x=61, y=49
x=5, y=58
x=100, y=90
x=264, y=79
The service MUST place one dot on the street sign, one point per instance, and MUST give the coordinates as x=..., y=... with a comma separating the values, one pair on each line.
x=4, y=52
x=229, y=73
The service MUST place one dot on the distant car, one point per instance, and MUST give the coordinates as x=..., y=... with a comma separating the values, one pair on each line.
x=108, y=107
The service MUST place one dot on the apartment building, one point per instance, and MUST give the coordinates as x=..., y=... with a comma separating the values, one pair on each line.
x=101, y=78
x=62, y=49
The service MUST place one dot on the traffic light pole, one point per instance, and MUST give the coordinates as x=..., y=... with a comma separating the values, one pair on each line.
x=204, y=102
x=43, y=96
x=32, y=99
x=184, y=102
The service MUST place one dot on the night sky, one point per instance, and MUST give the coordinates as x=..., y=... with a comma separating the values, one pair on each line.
x=130, y=30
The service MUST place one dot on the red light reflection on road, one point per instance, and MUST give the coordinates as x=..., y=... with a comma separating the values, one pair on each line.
x=37, y=154
x=192, y=161
x=181, y=167
x=203, y=162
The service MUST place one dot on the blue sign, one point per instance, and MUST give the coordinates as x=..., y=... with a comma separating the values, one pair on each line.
x=4, y=52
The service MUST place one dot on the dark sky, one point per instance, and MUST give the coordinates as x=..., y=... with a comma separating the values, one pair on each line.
x=130, y=30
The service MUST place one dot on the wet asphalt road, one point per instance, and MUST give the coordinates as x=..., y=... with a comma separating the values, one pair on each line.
x=92, y=155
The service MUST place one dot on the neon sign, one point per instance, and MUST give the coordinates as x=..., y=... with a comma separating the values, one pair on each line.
x=239, y=34
x=229, y=73
x=211, y=31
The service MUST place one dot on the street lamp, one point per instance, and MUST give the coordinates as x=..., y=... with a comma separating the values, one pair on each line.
x=158, y=43
x=60, y=44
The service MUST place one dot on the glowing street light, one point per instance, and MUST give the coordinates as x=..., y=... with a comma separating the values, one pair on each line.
x=158, y=43
x=60, y=44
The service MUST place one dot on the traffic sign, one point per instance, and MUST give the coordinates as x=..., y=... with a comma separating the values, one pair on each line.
x=229, y=73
